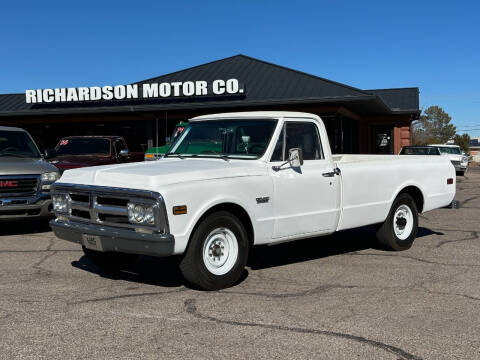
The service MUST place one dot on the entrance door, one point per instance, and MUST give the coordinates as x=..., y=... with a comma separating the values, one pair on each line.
x=382, y=139
x=307, y=199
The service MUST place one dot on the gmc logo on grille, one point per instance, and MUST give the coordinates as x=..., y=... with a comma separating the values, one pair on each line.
x=8, y=183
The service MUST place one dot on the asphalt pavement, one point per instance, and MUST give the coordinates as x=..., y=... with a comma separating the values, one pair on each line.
x=335, y=297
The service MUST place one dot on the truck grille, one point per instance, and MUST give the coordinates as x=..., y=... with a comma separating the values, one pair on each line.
x=108, y=206
x=19, y=186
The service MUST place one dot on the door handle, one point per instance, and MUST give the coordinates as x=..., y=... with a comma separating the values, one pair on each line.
x=335, y=171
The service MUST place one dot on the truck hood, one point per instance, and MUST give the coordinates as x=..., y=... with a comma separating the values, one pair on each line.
x=152, y=175
x=72, y=162
x=24, y=166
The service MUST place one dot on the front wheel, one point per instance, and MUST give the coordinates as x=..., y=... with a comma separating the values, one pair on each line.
x=400, y=228
x=217, y=252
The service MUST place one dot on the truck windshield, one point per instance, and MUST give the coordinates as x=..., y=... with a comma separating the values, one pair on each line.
x=83, y=146
x=243, y=139
x=17, y=144
x=449, y=150
x=419, y=151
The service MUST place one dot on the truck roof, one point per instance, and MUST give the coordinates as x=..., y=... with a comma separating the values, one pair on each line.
x=11, y=128
x=445, y=145
x=255, y=115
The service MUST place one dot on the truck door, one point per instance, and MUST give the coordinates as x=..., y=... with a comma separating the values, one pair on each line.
x=306, y=199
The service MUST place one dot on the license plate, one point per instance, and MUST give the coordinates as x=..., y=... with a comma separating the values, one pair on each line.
x=92, y=242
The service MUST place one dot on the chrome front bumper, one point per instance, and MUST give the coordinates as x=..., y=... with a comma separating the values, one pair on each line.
x=26, y=207
x=116, y=239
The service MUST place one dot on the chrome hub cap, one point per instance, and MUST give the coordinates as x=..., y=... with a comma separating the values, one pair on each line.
x=220, y=251
x=403, y=222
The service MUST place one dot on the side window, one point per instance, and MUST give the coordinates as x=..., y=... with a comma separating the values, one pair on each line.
x=119, y=146
x=304, y=136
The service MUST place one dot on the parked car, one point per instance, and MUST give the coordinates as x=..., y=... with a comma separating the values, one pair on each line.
x=419, y=150
x=271, y=178
x=81, y=151
x=454, y=153
x=154, y=153
x=25, y=177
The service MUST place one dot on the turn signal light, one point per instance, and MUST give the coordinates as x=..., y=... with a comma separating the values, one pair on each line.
x=450, y=181
x=180, y=210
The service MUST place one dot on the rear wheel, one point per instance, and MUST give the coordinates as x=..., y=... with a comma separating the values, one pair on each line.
x=400, y=228
x=217, y=253
x=109, y=260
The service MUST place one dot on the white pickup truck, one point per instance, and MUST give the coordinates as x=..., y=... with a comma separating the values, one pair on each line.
x=235, y=180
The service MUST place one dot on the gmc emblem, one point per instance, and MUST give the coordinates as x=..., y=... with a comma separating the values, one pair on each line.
x=8, y=183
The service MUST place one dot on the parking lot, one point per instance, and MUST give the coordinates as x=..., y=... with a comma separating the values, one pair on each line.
x=335, y=297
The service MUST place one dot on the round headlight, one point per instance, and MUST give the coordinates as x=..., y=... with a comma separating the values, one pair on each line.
x=149, y=216
x=139, y=213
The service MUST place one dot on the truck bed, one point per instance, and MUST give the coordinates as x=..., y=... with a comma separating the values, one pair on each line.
x=370, y=183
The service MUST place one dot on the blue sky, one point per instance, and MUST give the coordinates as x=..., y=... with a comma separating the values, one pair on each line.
x=434, y=45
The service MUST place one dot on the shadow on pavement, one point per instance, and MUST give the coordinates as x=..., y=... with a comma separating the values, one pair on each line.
x=425, y=232
x=262, y=257
x=146, y=270
x=24, y=226
x=165, y=271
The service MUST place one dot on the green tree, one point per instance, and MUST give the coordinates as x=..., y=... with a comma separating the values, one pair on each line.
x=433, y=127
x=463, y=141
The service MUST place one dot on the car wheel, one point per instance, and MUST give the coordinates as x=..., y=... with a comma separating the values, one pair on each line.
x=400, y=228
x=109, y=260
x=217, y=253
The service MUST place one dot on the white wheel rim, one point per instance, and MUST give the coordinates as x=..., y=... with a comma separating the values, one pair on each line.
x=220, y=251
x=403, y=222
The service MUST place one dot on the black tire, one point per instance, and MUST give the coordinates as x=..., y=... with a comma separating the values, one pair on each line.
x=386, y=235
x=461, y=173
x=109, y=260
x=193, y=266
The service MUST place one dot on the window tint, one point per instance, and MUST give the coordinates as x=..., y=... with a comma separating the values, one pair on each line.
x=119, y=146
x=83, y=146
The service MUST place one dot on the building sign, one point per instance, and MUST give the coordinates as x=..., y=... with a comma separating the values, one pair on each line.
x=135, y=91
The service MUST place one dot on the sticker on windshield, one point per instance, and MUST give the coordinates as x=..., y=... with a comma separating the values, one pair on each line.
x=63, y=142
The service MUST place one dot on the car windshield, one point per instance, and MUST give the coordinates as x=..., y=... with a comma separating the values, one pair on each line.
x=243, y=139
x=449, y=150
x=17, y=144
x=83, y=146
x=419, y=151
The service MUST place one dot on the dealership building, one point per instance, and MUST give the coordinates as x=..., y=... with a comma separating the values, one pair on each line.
x=145, y=113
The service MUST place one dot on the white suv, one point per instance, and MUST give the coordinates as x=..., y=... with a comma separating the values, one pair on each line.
x=454, y=153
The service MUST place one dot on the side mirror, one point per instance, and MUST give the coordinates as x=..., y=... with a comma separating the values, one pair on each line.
x=124, y=153
x=295, y=157
x=50, y=153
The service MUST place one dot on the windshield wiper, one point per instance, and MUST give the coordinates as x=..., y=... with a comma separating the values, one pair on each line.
x=174, y=155
x=221, y=156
